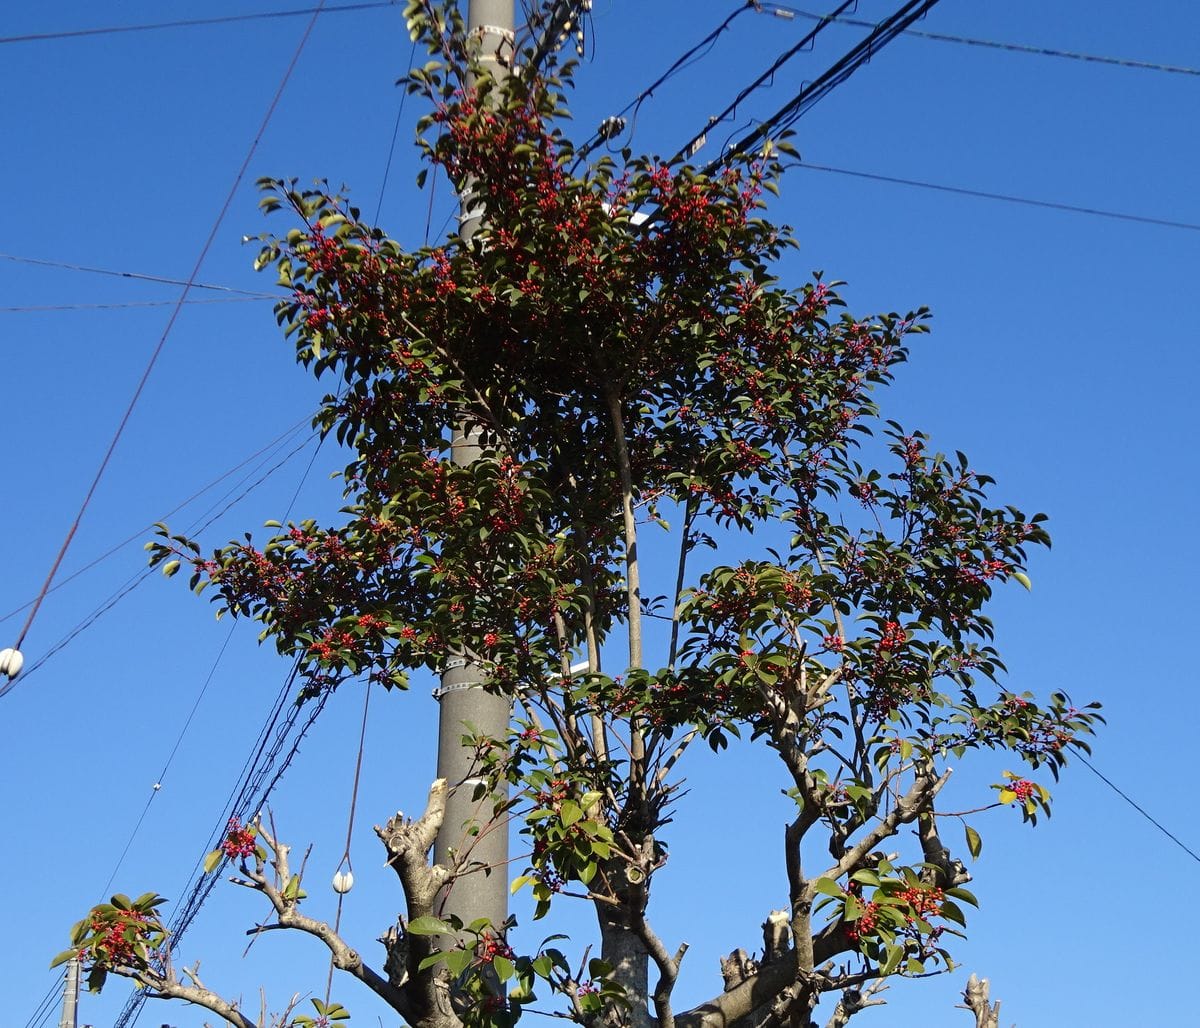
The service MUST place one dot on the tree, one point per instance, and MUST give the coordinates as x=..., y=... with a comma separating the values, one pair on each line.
x=617, y=339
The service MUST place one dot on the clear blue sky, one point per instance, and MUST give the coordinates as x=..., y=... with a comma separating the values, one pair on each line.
x=1058, y=362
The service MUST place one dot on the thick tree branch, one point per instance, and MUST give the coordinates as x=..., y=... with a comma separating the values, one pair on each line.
x=168, y=986
x=408, y=844
x=284, y=893
x=668, y=970
x=976, y=1000
x=854, y=1000
x=910, y=806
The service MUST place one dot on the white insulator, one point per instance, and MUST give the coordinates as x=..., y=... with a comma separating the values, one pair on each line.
x=11, y=662
x=343, y=882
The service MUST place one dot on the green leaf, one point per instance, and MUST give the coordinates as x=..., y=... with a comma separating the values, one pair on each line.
x=1023, y=578
x=64, y=956
x=427, y=926
x=974, y=841
x=458, y=960
x=894, y=956
x=570, y=813
x=827, y=887
x=504, y=968
x=170, y=568
x=213, y=861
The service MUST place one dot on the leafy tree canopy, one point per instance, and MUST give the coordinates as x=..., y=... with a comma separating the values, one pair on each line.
x=615, y=344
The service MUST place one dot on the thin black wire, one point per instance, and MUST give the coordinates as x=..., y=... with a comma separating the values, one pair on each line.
x=38, y=37
x=766, y=76
x=139, y=578
x=684, y=60
x=38, y=1017
x=1006, y=197
x=251, y=798
x=212, y=235
x=1141, y=810
x=395, y=134
x=43, y=307
x=131, y=1010
x=879, y=37
x=1039, y=51
x=137, y=275
x=251, y=777
x=140, y=533
x=162, y=775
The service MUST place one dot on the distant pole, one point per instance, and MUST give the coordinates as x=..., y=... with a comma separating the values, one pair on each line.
x=70, y=1009
x=462, y=699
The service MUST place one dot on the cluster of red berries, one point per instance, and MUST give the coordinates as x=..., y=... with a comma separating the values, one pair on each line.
x=333, y=640
x=926, y=903
x=116, y=942
x=1022, y=788
x=893, y=638
x=866, y=922
x=491, y=947
x=239, y=840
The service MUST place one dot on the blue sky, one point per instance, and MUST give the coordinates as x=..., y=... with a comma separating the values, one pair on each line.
x=1057, y=362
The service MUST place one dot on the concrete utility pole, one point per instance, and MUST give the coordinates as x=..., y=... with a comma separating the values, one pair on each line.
x=461, y=697
x=70, y=1009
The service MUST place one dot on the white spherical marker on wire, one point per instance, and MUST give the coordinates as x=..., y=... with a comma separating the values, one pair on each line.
x=11, y=662
x=343, y=882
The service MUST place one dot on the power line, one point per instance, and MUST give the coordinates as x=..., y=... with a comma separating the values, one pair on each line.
x=239, y=796
x=272, y=445
x=43, y=307
x=810, y=94
x=260, y=776
x=686, y=59
x=1005, y=197
x=137, y=275
x=45, y=1006
x=167, y=330
x=142, y=576
x=387, y=169
x=1040, y=51
x=38, y=37
x=1157, y=824
x=692, y=145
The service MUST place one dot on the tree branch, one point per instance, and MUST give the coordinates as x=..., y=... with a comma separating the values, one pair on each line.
x=168, y=986
x=854, y=1000
x=285, y=898
x=976, y=1000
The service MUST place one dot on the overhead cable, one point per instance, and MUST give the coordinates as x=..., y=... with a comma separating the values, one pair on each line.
x=39, y=37
x=42, y=308
x=811, y=93
x=253, y=148
x=141, y=577
x=1022, y=48
x=1157, y=824
x=688, y=57
x=692, y=145
x=141, y=532
x=1005, y=197
x=137, y=275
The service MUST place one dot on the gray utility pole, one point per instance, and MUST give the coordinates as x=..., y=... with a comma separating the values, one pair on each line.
x=461, y=697
x=70, y=1009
